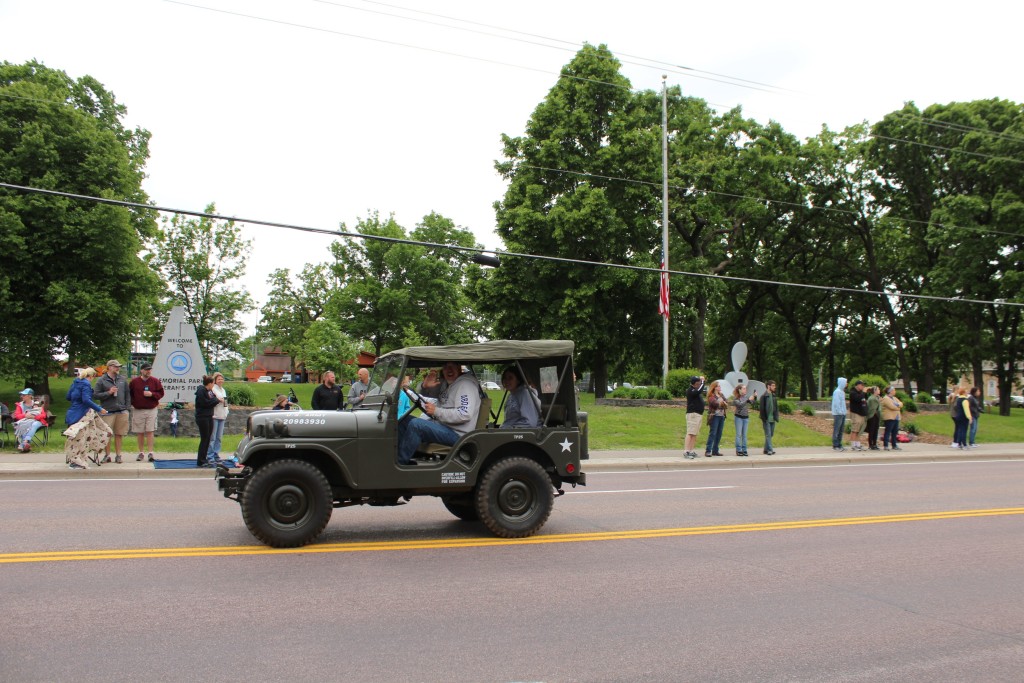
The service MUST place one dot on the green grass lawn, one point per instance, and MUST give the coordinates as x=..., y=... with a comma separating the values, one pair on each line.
x=611, y=427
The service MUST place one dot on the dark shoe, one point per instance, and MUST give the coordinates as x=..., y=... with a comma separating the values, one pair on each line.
x=118, y=460
x=140, y=458
x=151, y=458
x=76, y=466
x=707, y=455
x=771, y=453
x=717, y=455
x=689, y=456
x=107, y=459
x=897, y=448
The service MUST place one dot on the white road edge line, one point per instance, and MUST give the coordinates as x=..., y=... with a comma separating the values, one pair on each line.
x=776, y=468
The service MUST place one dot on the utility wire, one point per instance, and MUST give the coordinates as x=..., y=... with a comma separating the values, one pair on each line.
x=480, y=250
x=690, y=71
x=767, y=200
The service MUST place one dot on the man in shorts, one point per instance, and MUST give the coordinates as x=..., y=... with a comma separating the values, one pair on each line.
x=146, y=392
x=858, y=413
x=111, y=392
x=694, y=415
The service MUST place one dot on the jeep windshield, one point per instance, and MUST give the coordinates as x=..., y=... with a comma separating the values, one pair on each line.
x=383, y=381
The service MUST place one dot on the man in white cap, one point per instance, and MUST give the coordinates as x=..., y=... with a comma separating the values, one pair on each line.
x=111, y=392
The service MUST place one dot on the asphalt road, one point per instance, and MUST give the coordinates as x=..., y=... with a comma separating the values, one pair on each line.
x=900, y=572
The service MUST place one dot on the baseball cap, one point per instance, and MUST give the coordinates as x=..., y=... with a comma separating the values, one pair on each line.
x=694, y=378
x=114, y=362
x=146, y=366
x=860, y=381
x=27, y=392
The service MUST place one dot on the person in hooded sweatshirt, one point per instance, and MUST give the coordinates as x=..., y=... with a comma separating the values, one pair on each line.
x=838, y=414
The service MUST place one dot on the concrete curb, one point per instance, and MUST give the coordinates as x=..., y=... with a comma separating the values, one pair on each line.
x=15, y=465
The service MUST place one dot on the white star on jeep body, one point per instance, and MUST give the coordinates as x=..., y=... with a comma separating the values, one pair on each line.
x=566, y=445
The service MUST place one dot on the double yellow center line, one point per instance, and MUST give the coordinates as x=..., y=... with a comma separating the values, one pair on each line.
x=432, y=544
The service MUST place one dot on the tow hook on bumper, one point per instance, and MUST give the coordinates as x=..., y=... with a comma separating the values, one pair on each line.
x=232, y=484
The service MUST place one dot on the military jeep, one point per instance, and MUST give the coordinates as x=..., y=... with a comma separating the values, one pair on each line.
x=298, y=465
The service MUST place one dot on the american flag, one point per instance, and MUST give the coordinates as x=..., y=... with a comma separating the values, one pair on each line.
x=663, y=296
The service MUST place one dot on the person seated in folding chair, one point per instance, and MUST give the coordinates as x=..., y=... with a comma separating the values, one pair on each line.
x=29, y=417
x=454, y=414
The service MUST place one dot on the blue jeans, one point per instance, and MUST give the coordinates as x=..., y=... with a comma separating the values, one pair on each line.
x=973, y=431
x=415, y=431
x=31, y=431
x=889, y=437
x=215, y=439
x=741, y=424
x=960, y=431
x=715, y=430
x=838, y=422
x=769, y=431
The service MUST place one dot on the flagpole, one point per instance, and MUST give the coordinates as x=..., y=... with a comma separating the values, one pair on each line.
x=664, y=229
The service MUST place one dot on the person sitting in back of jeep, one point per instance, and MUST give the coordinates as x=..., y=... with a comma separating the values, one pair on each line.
x=454, y=414
x=520, y=409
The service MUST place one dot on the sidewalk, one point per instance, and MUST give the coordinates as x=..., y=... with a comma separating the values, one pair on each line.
x=15, y=465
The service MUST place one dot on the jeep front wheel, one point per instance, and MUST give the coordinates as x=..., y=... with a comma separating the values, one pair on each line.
x=514, y=497
x=287, y=503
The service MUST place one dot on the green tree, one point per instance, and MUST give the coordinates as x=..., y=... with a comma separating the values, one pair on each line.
x=295, y=303
x=564, y=199
x=72, y=279
x=200, y=259
x=393, y=290
x=326, y=347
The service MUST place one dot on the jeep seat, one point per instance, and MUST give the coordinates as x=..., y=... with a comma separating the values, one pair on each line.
x=439, y=450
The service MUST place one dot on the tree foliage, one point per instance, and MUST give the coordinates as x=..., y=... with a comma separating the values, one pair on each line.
x=73, y=279
x=200, y=260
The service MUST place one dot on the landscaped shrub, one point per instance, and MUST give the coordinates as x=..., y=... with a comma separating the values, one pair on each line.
x=924, y=398
x=663, y=395
x=808, y=411
x=785, y=407
x=240, y=396
x=910, y=428
x=622, y=392
x=909, y=406
x=678, y=380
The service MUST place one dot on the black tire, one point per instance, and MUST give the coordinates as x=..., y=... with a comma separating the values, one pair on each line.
x=514, y=498
x=287, y=503
x=461, y=508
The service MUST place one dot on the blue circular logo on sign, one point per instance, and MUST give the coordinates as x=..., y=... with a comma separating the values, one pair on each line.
x=179, y=363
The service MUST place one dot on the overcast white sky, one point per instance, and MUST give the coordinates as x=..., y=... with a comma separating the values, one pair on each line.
x=317, y=113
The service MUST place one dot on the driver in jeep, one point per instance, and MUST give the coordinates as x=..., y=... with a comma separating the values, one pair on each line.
x=454, y=414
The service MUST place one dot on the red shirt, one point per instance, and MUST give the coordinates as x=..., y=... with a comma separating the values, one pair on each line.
x=140, y=400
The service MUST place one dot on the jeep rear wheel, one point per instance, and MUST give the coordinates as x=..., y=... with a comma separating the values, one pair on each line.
x=514, y=497
x=462, y=508
x=287, y=503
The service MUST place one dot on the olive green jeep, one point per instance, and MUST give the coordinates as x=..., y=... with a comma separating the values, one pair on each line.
x=298, y=465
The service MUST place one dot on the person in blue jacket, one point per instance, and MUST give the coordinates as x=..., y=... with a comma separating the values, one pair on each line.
x=838, y=414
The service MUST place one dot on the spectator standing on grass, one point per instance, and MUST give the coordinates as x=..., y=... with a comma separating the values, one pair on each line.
x=874, y=417
x=741, y=419
x=961, y=418
x=327, y=396
x=838, y=414
x=220, y=418
x=977, y=408
x=858, y=413
x=769, y=409
x=205, y=402
x=112, y=393
x=717, y=406
x=891, y=417
x=694, y=415
x=146, y=392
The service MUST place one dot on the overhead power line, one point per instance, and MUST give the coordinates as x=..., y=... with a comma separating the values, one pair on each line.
x=503, y=254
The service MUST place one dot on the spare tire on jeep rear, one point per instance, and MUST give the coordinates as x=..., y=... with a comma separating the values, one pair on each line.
x=287, y=503
x=514, y=497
